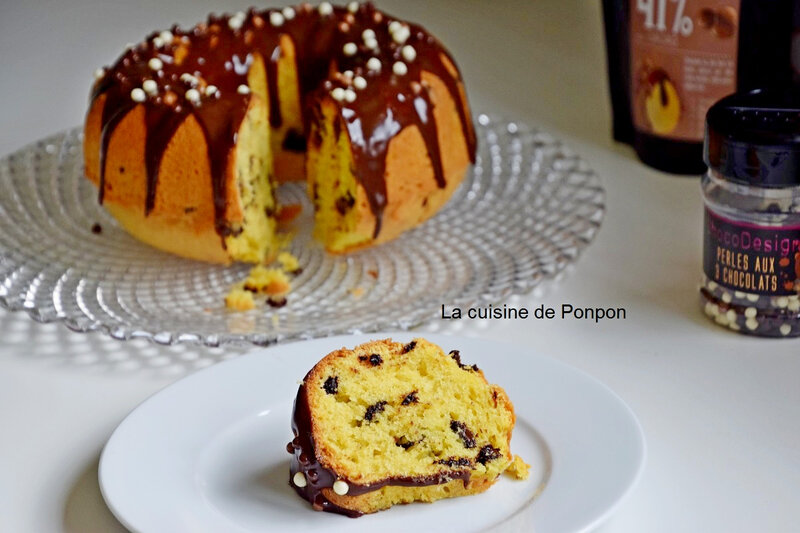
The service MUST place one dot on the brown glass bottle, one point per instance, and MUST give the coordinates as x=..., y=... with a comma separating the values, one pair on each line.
x=757, y=35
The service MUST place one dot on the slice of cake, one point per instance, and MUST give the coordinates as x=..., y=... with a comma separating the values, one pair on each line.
x=388, y=423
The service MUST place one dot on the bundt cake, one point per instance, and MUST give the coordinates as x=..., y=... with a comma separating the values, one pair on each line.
x=388, y=423
x=189, y=132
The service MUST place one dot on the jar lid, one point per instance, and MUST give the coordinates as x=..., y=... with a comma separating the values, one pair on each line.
x=753, y=137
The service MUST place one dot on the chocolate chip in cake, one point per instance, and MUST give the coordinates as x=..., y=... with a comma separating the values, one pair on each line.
x=454, y=462
x=456, y=355
x=97, y=229
x=373, y=410
x=345, y=203
x=276, y=302
x=374, y=359
x=463, y=432
x=403, y=442
x=410, y=398
x=410, y=346
x=331, y=385
x=488, y=453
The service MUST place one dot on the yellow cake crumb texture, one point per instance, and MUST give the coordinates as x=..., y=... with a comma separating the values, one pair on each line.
x=519, y=469
x=272, y=283
x=288, y=262
x=239, y=299
x=393, y=410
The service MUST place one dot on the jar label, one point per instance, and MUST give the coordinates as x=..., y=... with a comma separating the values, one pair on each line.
x=750, y=258
x=683, y=59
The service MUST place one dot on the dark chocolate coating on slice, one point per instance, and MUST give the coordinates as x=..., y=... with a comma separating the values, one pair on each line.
x=221, y=56
x=318, y=477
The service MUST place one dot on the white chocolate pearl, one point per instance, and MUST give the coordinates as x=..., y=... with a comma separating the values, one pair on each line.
x=722, y=320
x=401, y=35
x=752, y=297
x=350, y=49
x=166, y=36
x=150, y=86
x=712, y=309
x=138, y=95
x=751, y=312
x=794, y=305
x=99, y=73
x=374, y=63
x=300, y=480
x=734, y=326
x=751, y=324
x=712, y=285
x=352, y=7
x=338, y=94
x=360, y=83
x=243, y=89
x=368, y=34
x=372, y=44
x=340, y=487
x=394, y=26
x=409, y=54
x=348, y=73
x=158, y=42
x=738, y=294
x=726, y=297
x=350, y=95
x=211, y=90
x=276, y=19
x=325, y=8
x=236, y=21
x=785, y=329
x=193, y=95
x=782, y=301
x=155, y=64
x=400, y=68
x=288, y=13
x=731, y=314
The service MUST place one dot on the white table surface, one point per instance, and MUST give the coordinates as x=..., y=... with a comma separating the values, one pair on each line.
x=721, y=412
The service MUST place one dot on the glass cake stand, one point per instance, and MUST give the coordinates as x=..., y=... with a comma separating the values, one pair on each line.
x=526, y=210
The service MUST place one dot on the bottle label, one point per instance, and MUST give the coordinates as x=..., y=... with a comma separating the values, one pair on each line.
x=750, y=258
x=683, y=59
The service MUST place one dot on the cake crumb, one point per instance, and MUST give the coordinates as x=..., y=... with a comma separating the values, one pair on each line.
x=518, y=469
x=357, y=292
x=240, y=299
x=288, y=262
x=270, y=281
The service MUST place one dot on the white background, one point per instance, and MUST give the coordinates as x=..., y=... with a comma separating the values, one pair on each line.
x=721, y=412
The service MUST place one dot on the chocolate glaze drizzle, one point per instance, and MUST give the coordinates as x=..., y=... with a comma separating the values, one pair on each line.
x=218, y=54
x=318, y=476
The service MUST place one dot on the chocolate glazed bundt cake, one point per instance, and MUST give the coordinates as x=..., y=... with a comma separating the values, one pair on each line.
x=189, y=132
x=389, y=423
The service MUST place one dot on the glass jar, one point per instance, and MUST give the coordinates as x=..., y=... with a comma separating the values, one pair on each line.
x=751, y=243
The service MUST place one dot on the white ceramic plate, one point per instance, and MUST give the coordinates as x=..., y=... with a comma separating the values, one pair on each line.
x=208, y=453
